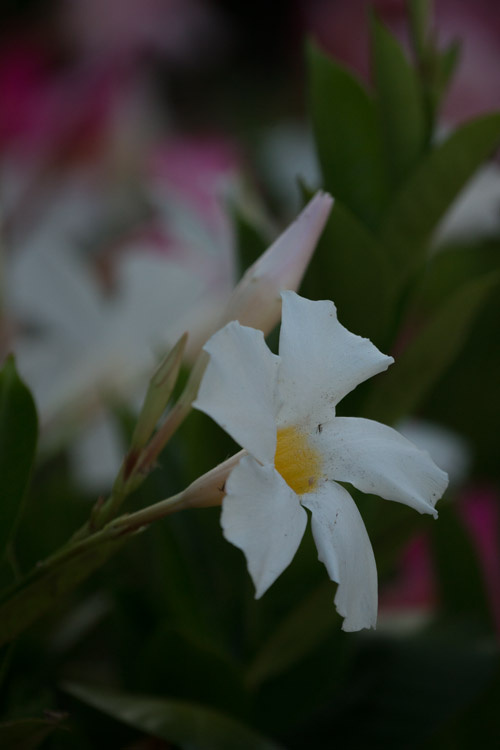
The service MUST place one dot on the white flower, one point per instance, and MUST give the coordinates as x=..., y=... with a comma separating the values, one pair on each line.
x=80, y=349
x=281, y=409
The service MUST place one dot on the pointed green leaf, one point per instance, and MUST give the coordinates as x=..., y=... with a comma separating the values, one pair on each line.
x=348, y=141
x=407, y=382
x=160, y=388
x=447, y=64
x=400, y=104
x=363, y=299
x=454, y=266
x=18, y=434
x=438, y=70
x=419, y=18
x=466, y=399
x=435, y=67
x=433, y=186
x=188, y=725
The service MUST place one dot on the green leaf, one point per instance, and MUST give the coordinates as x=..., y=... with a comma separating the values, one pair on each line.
x=188, y=725
x=447, y=64
x=438, y=69
x=26, y=734
x=432, y=188
x=467, y=398
x=455, y=265
x=435, y=67
x=419, y=17
x=406, y=383
x=348, y=140
x=18, y=434
x=364, y=298
x=400, y=104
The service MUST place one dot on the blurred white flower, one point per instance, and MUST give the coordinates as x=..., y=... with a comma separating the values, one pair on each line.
x=82, y=349
x=88, y=325
x=476, y=212
x=447, y=448
x=282, y=174
x=281, y=409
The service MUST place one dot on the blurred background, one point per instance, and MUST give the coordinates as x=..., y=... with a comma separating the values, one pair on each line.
x=149, y=152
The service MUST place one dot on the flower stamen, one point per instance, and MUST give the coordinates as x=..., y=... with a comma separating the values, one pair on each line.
x=298, y=463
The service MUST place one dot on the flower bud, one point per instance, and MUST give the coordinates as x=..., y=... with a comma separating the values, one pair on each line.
x=158, y=394
x=256, y=300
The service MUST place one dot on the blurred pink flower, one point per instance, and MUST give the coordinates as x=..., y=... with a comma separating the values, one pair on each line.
x=414, y=590
x=48, y=109
x=188, y=181
x=414, y=587
x=479, y=509
x=341, y=28
x=181, y=30
x=197, y=169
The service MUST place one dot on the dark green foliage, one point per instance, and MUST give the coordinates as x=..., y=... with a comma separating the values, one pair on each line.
x=399, y=100
x=165, y=640
x=18, y=434
x=186, y=724
x=348, y=139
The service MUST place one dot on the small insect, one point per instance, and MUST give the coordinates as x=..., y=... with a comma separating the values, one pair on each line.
x=320, y=427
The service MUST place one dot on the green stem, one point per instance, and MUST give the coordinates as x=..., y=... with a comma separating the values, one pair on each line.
x=136, y=468
x=206, y=491
x=52, y=579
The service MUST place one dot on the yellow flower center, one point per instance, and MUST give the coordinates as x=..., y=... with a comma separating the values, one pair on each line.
x=298, y=463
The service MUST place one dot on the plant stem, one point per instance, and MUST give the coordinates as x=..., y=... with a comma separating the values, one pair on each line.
x=53, y=578
x=136, y=468
x=206, y=491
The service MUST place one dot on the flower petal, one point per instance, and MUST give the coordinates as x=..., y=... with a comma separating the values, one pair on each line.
x=256, y=300
x=321, y=361
x=377, y=459
x=238, y=388
x=345, y=549
x=263, y=517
